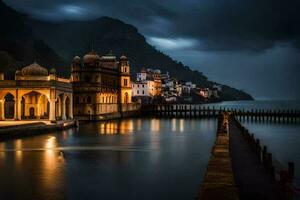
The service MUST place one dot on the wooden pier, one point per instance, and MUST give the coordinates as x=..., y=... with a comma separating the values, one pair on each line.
x=200, y=111
x=241, y=167
x=219, y=181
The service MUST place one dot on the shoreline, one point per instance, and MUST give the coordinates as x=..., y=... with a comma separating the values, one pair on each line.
x=17, y=129
x=34, y=128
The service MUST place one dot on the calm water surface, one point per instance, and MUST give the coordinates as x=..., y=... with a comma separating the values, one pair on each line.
x=128, y=159
x=283, y=141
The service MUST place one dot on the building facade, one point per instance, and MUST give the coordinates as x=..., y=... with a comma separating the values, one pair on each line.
x=36, y=93
x=101, y=85
x=148, y=84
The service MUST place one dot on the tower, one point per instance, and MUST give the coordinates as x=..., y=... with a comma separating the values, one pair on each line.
x=124, y=80
x=76, y=67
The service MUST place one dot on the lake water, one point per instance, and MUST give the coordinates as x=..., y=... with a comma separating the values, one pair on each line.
x=282, y=140
x=128, y=159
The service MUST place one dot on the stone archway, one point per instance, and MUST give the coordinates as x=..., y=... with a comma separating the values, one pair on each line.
x=9, y=106
x=43, y=107
x=31, y=113
x=35, y=106
x=23, y=108
x=68, y=107
x=126, y=97
x=59, y=106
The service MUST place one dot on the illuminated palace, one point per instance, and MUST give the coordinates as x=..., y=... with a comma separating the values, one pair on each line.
x=36, y=93
x=101, y=85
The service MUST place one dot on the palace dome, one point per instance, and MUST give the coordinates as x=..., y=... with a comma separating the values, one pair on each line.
x=76, y=59
x=52, y=71
x=18, y=72
x=91, y=57
x=123, y=57
x=34, y=70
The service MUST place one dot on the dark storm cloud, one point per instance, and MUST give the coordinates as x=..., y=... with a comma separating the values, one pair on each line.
x=232, y=41
x=218, y=24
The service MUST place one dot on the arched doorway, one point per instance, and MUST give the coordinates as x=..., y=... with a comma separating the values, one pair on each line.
x=31, y=113
x=23, y=108
x=59, y=106
x=35, y=106
x=126, y=97
x=43, y=107
x=68, y=109
x=9, y=106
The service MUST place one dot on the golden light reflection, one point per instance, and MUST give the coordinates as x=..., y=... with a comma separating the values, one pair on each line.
x=51, y=163
x=2, y=156
x=108, y=128
x=50, y=144
x=138, y=124
x=126, y=127
x=181, y=125
x=111, y=128
x=174, y=125
x=155, y=125
x=2, y=148
x=18, y=151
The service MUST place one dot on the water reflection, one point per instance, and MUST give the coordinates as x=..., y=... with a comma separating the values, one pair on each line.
x=138, y=124
x=52, y=164
x=116, y=127
x=181, y=125
x=109, y=160
x=155, y=125
x=174, y=124
x=18, y=152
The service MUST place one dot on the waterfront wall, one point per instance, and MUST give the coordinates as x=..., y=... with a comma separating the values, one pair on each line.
x=113, y=111
x=37, y=128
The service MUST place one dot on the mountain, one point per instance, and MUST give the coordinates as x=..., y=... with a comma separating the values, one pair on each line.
x=105, y=34
x=55, y=44
x=19, y=46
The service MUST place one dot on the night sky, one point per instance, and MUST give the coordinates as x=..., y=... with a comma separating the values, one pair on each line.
x=252, y=45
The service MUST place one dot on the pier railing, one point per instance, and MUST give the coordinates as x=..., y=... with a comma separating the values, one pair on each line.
x=283, y=174
x=198, y=111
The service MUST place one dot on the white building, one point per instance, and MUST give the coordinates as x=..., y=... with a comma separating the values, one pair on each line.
x=171, y=87
x=187, y=87
x=148, y=84
x=209, y=93
x=141, y=89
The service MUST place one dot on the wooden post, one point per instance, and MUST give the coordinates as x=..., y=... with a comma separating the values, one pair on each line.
x=258, y=148
x=291, y=169
x=264, y=154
